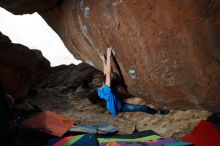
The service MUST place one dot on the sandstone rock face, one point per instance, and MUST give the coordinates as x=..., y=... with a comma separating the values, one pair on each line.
x=20, y=68
x=167, y=51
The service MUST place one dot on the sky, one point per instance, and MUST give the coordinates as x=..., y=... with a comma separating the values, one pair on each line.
x=33, y=32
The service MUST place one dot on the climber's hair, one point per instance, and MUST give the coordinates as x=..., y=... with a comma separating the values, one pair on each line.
x=104, y=79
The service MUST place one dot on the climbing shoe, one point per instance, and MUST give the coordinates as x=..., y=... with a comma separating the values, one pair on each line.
x=163, y=111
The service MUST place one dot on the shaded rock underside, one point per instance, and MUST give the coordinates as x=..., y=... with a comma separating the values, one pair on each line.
x=20, y=68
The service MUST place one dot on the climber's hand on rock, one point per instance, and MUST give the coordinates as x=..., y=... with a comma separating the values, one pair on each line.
x=109, y=51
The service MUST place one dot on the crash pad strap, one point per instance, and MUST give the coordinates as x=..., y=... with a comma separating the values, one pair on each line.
x=152, y=137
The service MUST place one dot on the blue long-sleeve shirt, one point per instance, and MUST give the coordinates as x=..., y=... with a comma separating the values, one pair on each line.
x=113, y=101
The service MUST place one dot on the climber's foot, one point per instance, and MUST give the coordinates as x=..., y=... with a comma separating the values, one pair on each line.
x=163, y=111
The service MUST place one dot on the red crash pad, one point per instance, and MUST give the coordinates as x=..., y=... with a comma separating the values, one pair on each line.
x=204, y=134
x=49, y=122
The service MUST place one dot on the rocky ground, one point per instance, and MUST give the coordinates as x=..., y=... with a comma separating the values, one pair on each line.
x=175, y=125
x=64, y=96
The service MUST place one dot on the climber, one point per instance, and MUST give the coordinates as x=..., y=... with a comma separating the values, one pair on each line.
x=114, y=103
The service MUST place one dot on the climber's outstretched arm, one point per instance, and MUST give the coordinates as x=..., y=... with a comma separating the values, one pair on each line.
x=108, y=67
x=103, y=62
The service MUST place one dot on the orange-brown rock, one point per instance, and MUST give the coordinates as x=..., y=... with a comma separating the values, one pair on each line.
x=168, y=51
x=20, y=68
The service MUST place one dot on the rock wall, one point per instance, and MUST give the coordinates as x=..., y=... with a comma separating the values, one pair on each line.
x=20, y=68
x=167, y=51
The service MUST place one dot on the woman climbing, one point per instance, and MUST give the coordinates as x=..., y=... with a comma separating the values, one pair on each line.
x=114, y=103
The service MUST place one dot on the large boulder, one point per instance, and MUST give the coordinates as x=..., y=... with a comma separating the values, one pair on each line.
x=20, y=68
x=167, y=52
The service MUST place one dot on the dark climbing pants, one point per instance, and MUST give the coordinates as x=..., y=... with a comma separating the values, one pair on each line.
x=137, y=108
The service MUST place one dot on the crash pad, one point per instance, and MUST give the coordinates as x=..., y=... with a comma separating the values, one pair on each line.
x=204, y=134
x=148, y=137
x=86, y=140
x=49, y=122
x=63, y=141
x=77, y=140
x=95, y=129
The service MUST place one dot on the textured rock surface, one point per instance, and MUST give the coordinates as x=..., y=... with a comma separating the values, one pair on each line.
x=20, y=68
x=70, y=77
x=168, y=51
